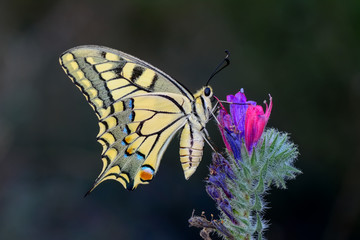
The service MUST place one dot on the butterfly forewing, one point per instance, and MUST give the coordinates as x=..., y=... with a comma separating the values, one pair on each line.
x=139, y=107
x=106, y=75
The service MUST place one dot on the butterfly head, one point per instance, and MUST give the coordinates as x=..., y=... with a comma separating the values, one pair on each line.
x=203, y=104
x=205, y=92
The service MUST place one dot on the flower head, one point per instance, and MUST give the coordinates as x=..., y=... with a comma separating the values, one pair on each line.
x=246, y=122
x=232, y=126
x=243, y=125
x=238, y=180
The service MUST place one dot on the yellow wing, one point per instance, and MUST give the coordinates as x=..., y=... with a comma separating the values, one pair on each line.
x=106, y=75
x=132, y=151
x=139, y=108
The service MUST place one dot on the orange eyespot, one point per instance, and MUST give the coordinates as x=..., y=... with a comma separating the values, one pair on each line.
x=146, y=174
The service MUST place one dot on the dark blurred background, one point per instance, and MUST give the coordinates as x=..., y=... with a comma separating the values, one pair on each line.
x=305, y=53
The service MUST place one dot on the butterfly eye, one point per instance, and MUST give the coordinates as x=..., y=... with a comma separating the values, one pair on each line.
x=207, y=91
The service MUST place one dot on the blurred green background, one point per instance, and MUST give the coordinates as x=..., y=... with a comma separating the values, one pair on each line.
x=305, y=53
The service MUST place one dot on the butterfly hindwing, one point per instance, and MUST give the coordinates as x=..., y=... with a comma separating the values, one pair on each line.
x=132, y=149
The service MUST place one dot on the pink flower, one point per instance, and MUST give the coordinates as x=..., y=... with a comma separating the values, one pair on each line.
x=232, y=126
x=245, y=123
x=255, y=122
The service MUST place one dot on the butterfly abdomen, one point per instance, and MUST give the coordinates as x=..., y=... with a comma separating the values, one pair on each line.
x=191, y=149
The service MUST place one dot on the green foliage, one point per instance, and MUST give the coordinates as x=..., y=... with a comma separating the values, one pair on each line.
x=269, y=164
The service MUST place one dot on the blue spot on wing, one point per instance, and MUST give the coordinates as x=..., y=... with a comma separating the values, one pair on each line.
x=147, y=169
x=126, y=130
x=140, y=156
x=131, y=116
x=131, y=103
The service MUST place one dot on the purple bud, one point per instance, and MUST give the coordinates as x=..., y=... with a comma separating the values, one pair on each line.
x=234, y=142
x=224, y=166
x=213, y=192
x=229, y=172
x=219, y=181
x=227, y=209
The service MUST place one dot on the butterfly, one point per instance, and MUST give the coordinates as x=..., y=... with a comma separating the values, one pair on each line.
x=139, y=108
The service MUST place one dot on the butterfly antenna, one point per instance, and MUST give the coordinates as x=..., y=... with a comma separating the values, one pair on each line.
x=224, y=63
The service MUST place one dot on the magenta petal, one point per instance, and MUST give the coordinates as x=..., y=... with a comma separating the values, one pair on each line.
x=255, y=122
x=268, y=109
